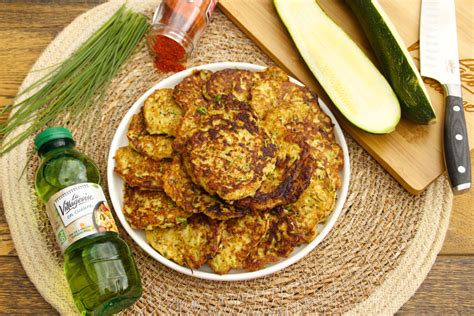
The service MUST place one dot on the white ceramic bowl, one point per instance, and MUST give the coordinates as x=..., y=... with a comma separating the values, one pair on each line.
x=116, y=187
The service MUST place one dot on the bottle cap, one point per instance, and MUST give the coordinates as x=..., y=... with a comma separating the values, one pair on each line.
x=50, y=134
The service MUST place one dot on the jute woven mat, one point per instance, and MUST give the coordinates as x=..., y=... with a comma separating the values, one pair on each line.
x=372, y=262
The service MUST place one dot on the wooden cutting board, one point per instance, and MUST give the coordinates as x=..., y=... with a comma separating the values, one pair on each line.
x=413, y=153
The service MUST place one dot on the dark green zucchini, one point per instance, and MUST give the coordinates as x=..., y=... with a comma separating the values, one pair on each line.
x=397, y=65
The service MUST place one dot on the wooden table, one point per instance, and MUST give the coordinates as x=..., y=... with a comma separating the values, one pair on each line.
x=26, y=28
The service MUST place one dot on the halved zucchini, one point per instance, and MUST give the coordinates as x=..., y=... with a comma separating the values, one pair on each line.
x=353, y=83
x=397, y=64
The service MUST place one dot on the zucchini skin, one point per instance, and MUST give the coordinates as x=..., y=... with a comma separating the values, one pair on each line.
x=415, y=104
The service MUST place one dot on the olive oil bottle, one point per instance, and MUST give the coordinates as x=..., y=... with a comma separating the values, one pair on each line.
x=98, y=264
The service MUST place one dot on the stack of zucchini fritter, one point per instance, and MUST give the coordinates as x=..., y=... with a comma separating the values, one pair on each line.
x=232, y=168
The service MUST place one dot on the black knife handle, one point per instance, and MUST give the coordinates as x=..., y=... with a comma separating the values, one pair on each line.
x=456, y=145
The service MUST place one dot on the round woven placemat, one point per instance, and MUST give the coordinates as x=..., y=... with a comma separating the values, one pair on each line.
x=374, y=259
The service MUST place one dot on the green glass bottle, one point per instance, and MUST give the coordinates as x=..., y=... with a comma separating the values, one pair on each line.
x=98, y=264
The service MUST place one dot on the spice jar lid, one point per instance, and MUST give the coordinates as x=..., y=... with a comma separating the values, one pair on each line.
x=50, y=134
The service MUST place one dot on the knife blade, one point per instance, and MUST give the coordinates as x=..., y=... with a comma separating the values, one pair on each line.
x=439, y=60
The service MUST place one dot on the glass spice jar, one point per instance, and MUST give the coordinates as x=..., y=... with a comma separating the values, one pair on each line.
x=176, y=28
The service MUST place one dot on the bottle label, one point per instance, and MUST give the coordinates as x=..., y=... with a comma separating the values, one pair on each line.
x=79, y=211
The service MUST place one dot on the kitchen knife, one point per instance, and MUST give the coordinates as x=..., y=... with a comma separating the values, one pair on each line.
x=439, y=60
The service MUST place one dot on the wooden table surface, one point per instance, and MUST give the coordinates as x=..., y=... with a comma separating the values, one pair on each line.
x=26, y=28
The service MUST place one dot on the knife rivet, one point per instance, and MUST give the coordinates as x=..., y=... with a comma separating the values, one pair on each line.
x=458, y=136
x=456, y=108
x=461, y=169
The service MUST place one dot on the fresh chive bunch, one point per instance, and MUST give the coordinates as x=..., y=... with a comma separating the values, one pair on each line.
x=80, y=80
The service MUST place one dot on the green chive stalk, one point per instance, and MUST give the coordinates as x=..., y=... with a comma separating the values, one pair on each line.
x=80, y=80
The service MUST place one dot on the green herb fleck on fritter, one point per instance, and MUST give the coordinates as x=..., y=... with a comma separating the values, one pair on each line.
x=182, y=221
x=202, y=110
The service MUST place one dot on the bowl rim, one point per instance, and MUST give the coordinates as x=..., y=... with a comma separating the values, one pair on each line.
x=115, y=184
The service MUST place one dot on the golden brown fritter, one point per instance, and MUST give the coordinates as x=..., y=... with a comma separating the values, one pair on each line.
x=138, y=170
x=237, y=238
x=293, y=170
x=314, y=205
x=265, y=96
x=323, y=146
x=268, y=91
x=270, y=95
x=336, y=161
x=190, y=123
x=229, y=157
x=188, y=93
x=151, y=209
x=180, y=188
x=287, y=122
x=190, y=244
x=161, y=113
x=167, y=242
x=273, y=73
x=154, y=146
x=329, y=156
x=199, y=117
x=278, y=242
x=325, y=149
x=299, y=117
x=229, y=81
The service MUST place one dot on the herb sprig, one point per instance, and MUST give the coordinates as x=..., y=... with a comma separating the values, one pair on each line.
x=79, y=81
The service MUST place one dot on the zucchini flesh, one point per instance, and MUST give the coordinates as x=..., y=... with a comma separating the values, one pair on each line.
x=354, y=84
x=397, y=64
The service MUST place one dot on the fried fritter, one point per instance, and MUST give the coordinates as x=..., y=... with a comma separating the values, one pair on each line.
x=180, y=188
x=285, y=184
x=190, y=123
x=287, y=122
x=154, y=146
x=207, y=115
x=167, y=242
x=314, y=205
x=229, y=157
x=191, y=244
x=273, y=73
x=330, y=157
x=138, y=170
x=325, y=149
x=200, y=117
x=229, y=81
x=336, y=161
x=161, y=113
x=323, y=145
x=279, y=241
x=267, y=91
x=265, y=96
x=188, y=93
x=237, y=238
x=150, y=209
x=269, y=95
x=299, y=114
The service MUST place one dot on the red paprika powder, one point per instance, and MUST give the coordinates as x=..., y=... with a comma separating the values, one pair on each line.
x=177, y=27
x=168, y=54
